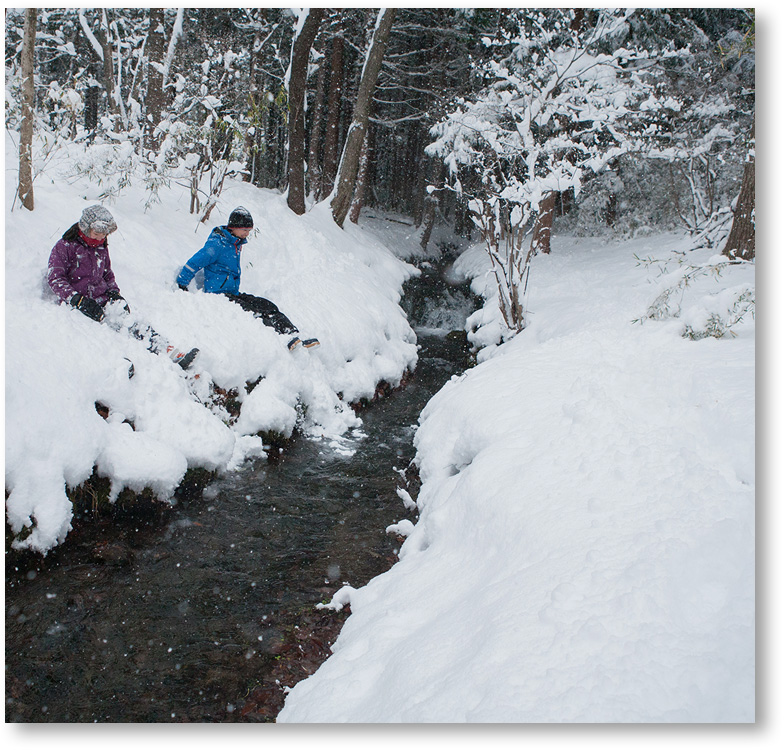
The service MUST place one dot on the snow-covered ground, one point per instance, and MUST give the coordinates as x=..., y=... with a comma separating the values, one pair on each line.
x=342, y=287
x=585, y=545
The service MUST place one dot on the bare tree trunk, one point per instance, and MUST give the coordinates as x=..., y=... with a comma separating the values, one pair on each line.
x=417, y=205
x=540, y=242
x=155, y=51
x=742, y=239
x=349, y=162
x=314, y=167
x=28, y=102
x=428, y=221
x=108, y=74
x=431, y=202
x=333, y=118
x=359, y=190
x=298, y=76
x=252, y=133
x=105, y=38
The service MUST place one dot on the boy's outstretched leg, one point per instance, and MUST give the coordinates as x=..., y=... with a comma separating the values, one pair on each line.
x=266, y=311
x=269, y=314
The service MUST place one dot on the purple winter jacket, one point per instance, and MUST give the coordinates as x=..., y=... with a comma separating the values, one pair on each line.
x=76, y=268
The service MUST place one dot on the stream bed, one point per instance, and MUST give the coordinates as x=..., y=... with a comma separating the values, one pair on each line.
x=203, y=611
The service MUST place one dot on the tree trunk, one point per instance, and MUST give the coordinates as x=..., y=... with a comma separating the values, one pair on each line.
x=252, y=133
x=428, y=221
x=421, y=169
x=28, y=102
x=349, y=162
x=298, y=76
x=540, y=242
x=431, y=201
x=155, y=51
x=333, y=118
x=105, y=38
x=91, y=96
x=741, y=242
x=359, y=190
x=108, y=73
x=314, y=167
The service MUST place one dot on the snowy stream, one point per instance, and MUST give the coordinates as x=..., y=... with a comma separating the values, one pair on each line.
x=178, y=614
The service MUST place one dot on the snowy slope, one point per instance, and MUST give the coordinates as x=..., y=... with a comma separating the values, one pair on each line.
x=585, y=546
x=342, y=287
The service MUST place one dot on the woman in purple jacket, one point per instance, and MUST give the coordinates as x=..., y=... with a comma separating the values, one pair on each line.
x=80, y=274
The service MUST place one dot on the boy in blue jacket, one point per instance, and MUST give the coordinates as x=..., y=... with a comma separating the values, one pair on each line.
x=220, y=259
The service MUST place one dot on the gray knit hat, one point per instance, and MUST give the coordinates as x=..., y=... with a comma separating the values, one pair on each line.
x=98, y=219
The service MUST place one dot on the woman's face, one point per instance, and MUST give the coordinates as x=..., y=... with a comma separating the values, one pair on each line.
x=93, y=235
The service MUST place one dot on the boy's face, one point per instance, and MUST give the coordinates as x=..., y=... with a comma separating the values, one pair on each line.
x=242, y=233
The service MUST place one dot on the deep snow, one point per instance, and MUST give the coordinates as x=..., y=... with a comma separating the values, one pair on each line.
x=585, y=546
x=342, y=287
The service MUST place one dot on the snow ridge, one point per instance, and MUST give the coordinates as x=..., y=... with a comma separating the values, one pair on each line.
x=585, y=545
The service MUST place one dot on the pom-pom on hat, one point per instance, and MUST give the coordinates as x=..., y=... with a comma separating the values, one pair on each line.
x=240, y=218
x=98, y=219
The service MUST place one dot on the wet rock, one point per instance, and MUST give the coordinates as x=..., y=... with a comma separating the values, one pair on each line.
x=113, y=553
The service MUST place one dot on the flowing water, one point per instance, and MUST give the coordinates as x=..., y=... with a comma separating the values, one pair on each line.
x=176, y=614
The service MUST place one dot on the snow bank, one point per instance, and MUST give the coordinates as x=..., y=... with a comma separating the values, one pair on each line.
x=585, y=545
x=343, y=287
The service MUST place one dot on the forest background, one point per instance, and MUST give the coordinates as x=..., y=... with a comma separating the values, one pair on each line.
x=359, y=107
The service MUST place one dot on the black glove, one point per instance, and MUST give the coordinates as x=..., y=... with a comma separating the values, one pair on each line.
x=184, y=287
x=114, y=296
x=88, y=306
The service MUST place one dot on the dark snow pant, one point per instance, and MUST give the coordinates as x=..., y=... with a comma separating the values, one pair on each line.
x=265, y=310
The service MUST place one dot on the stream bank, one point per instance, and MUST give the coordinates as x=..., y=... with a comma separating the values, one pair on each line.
x=204, y=611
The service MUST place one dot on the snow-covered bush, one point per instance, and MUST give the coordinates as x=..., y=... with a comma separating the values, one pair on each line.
x=719, y=313
x=66, y=107
x=566, y=101
x=628, y=115
x=109, y=166
x=714, y=313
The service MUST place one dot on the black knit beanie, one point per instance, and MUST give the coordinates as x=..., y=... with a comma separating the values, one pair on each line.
x=240, y=218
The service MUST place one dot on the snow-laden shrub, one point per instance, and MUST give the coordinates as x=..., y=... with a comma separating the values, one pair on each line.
x=111, y=166
x=566, y=102
x=715, y=313
x=66, y=107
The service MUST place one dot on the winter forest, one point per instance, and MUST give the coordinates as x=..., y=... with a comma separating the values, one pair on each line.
x=523, y=241
x=490, y=105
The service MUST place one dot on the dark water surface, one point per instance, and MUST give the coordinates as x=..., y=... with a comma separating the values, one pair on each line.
x=177, y=616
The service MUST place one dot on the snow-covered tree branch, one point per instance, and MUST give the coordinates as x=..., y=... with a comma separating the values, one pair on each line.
x=563, y=103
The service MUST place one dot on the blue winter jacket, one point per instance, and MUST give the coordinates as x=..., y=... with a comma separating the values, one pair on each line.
x=220, y=259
